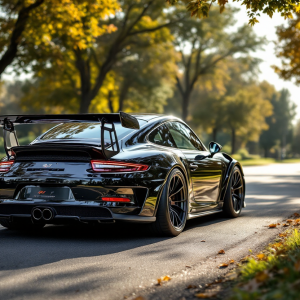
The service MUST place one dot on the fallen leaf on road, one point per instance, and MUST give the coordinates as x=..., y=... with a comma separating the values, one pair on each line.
x=244, y=260
x=278, y=223
x=260, y=256
x=191, y=286
x=272, y=225
x=162, y=279
x=188, y=266
x=282, y=234
x=202, y=241
x=205, y=295
x=231, y=261
x=221, y=252
x=223, y=265
x=289, y=221
x=218, y=280
x=139, y=298
x=296, y=215
x=286, y=225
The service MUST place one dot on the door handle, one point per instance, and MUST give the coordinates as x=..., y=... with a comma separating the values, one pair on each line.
x=193, y=167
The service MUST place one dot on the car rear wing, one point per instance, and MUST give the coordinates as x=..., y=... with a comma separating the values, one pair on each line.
x=107, y=121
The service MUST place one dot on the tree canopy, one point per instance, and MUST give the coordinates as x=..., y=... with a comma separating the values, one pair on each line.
x=209, y=43
x=29, y=27
x=287, y=48
x=201, y=8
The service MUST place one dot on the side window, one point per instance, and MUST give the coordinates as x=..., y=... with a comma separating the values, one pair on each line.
x=161, y=136
x=184, y=137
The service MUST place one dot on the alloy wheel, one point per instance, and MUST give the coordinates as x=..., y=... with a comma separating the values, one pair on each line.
x=177, y=199
x=237, y=191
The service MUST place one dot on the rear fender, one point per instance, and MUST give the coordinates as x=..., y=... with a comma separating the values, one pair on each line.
x=181, y=166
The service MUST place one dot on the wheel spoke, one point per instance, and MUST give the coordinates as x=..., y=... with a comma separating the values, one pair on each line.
x=234, y=203
x=237, y=188
x=175, y=184
x=174, y=207
x=237, y=181
x=177, y=217
x=237, y=197
x=183, y=200
x=177, y=201
x=176, y=192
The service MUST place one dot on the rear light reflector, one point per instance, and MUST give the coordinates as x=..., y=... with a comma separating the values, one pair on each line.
x=115, y=199
x=116, y=166
x=5, y=166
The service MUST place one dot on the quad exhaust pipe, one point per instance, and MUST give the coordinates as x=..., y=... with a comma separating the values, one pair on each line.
x=37, y=214
x=45, y=214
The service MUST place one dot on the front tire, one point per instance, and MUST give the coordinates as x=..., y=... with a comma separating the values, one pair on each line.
x=172, y=210
x=235, y=195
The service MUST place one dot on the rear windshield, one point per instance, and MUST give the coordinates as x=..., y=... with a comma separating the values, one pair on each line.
x=78, y=131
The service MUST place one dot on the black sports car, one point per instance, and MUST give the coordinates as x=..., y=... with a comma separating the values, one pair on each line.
x=99, y=168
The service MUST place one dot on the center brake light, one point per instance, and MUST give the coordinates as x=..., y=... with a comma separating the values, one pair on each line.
x=5, y=166
x=116, y=166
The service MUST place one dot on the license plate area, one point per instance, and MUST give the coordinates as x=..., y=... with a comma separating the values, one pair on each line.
x=45, y=193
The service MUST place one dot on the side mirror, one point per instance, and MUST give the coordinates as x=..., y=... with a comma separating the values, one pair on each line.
x=214, y=148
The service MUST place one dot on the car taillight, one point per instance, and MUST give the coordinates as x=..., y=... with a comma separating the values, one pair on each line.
x=116, y=166
x=5, y=166
x=115, y=199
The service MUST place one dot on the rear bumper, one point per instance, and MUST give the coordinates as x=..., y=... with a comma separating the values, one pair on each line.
x=63, y=213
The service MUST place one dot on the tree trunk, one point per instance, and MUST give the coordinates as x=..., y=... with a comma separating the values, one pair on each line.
x=18, y=29
x=266, y=154
x=214, y=134
x=110, y=102
x=185, y=105
x=84, y=104
x=233, y=137
x=283, y=145
x=123, y=94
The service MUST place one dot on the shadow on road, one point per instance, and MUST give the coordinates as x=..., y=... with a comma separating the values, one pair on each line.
x=54, y=243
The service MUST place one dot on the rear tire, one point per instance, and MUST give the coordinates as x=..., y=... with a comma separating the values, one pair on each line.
x=172, y=209
x=235, y=195
x=21, y=226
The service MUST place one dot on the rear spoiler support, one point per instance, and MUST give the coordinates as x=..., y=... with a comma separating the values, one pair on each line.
x=106, y=121
x=9, y=137
x=114, y=144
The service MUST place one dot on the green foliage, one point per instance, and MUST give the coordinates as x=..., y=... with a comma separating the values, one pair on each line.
x=139, y=75
x=280, y=122
x=211, y=44
x=287, y=48
x=241, y=108
x=276, y=276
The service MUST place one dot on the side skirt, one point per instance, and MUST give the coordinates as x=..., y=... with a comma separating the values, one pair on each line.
x=204, y=213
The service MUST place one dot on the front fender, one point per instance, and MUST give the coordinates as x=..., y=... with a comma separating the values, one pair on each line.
x=228, y=173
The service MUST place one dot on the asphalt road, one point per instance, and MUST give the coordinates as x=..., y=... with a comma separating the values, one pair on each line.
x=113, y=261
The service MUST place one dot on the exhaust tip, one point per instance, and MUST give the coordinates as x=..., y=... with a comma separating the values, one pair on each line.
x=47, y=214
x=37, y=214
